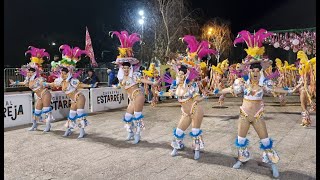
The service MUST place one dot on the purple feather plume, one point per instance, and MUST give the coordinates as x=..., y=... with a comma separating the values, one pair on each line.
x=260, y=36
x=126, y=41
x=125, y=35
x=243, y=36
x=77, y=52
x=120, y=37
x=192, y=43
x=166, y=78
x=273, y=75
x=133, y=38
x=23, y=72
x=136, y=67
x=72, y=53
x=252, y=39
x=204, y=49
x=36, y=52
x=193, y=74
x=66, y=50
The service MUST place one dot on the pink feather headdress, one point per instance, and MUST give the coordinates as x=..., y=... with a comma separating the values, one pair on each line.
x=126, y=43
x=38, y=53
x=37, y=56
x=201, y=49
x=193, y=73
x=254, y=42
x=73, y=54
x=70, y=56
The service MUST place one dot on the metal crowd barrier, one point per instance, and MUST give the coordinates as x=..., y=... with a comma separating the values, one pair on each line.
x=11, y=73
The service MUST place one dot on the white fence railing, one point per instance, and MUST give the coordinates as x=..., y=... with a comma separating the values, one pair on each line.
x=11, y=73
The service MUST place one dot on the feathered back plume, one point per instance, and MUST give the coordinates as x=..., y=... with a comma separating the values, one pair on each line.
x=70, y=57
x=306, y=65
x=37, y=56
x=195, y=48
x=126, y=42
x=204, y=49
x=73, y=54
x=253, y=41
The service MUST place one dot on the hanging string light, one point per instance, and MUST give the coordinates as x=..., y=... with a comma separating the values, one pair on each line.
x=295, y=39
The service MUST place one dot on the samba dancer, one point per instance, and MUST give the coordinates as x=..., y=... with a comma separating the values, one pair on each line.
x=129, y=79
x=33, y=80
x=185, y=88
x=70, y=85
x=252, y=109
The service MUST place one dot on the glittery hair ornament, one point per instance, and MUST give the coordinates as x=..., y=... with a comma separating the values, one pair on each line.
x=37, y=56
x=126, y=43
x=196, y=51
x=254, y=42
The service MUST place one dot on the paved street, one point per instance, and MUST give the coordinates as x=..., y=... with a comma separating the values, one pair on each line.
x=104, y=154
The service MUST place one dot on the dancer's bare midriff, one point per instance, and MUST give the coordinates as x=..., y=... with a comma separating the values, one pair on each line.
x=252, y=107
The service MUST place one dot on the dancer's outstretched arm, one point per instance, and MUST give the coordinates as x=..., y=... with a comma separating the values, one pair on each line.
x=145, y=81
x=164, y=94
x=282, y=90
x=82, y=85
x=15, y=83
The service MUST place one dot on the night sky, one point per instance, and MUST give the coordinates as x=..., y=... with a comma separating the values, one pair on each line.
x=39, y=22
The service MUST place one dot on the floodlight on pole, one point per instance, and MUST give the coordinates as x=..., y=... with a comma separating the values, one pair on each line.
x=141, y=21
x=141, y=13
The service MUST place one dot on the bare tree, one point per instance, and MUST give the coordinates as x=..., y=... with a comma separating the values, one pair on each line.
x=218, y=33
x=177, y=20
x=166, y=21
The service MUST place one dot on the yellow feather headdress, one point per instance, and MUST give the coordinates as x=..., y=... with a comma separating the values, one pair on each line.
x=305, y=64
x=217, y=68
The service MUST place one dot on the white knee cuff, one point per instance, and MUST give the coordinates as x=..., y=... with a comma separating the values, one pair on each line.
x=265, y=141
x=179, y=131
x=72, y=114
x=241, y=140
x=37, y=111
x=80, y=112
x=137, y=114
x=195, y=130
x=128, y=116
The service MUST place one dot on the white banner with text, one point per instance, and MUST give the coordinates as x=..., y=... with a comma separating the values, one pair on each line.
x=61, y=103
x=106, y=98
x=17, y=109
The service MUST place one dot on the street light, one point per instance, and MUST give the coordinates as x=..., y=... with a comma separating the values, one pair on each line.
x=141, y=13
x=141, y=22
x=53, y=43
x=209, y=33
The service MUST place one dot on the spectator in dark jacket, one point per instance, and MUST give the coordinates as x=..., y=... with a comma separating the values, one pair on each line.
x=91, y=78
x=111, y=76
x=169, y=75
x=167, y=84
